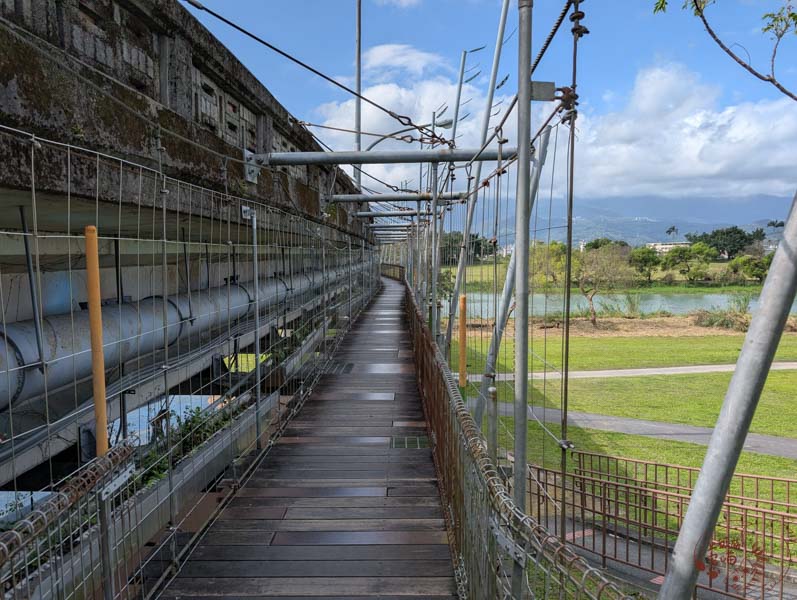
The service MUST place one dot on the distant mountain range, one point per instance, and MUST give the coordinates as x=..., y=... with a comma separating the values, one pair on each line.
x=642, y=220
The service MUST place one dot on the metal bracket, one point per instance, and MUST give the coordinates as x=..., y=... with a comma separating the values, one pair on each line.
x=116, y=483
x=508, y=545
x=543, y=91
x=251, y=168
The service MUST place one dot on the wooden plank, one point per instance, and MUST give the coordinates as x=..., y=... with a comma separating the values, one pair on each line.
x=323, y=525
x=323, y=538
x=362, y=502
x=311, y=492
x=313, y=586
x=316, y=568
x=355, y=553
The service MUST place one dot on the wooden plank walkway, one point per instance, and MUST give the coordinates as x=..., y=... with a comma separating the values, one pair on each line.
x=346, y=505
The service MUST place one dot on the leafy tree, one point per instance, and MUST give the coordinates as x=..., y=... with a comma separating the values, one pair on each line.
x=644, y=260
x=777, y=24
x=547, y=263
x=753, y=267
x=451, y=244
x=672, y=230
x=774, y=224
x=601, y=270
x=691, y=261
x=601, y=242
x=730, y=241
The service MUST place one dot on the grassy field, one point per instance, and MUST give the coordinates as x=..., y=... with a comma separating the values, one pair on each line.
x=542, y=450
x=689, y=399
x=590, y=353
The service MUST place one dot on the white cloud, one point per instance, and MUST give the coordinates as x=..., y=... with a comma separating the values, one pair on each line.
x=670, y=138
x=385, y=60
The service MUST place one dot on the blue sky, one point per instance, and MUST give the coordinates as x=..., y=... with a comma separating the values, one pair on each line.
x=656, y=92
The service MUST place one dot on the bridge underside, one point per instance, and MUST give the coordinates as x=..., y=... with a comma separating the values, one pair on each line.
x=346, y=504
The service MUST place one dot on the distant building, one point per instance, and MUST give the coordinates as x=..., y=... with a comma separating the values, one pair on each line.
x=662, y=248
x=506, y=250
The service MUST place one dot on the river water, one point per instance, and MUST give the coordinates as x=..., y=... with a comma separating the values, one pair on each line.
x=482, y=304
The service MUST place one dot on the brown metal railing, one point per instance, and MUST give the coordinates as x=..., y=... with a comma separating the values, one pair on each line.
x=393, y=271
x=489, y=534
x=629, y=511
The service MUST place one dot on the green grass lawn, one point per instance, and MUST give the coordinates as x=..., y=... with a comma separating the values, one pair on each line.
x=543, y=450
x=690, y=399
x=590, y=353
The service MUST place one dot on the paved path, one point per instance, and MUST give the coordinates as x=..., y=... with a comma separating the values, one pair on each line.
x=346, y=505
x=609, y=373
x=755, y=442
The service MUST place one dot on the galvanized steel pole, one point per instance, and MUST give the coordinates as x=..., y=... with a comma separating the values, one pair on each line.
x=463, y=253
x=433, y=299
x=358, y=88
x=734, y=419
x=522, y=273
x=509, y=287
x=255, y=275
x=380, y=157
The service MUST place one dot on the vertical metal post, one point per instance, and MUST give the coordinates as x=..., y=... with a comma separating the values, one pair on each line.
x=433, y=295
x=350, y=283
x=522, y=211
x=737, y=412
x=492, y=430
x=95, y=332
x=106, y=547
x=509, y=286
x=258, y=380
x=463, y=341
x=463, y=253
x=358, y=89
x=34, y=298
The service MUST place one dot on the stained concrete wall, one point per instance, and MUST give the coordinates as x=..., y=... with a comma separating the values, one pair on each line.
x=129, y=76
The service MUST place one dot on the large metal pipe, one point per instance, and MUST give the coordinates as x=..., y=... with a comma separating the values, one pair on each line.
x=391, y=213
x=131, y=330
x=380, y=157
x=394, y=197
x=733, y=423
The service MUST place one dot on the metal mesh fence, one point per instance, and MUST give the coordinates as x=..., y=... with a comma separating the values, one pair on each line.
x=219, y=313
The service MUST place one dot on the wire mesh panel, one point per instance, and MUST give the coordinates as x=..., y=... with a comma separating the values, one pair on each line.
x=218, y=315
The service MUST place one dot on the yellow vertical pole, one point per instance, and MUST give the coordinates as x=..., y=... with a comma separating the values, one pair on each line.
x=95, y=330
x=463, y=341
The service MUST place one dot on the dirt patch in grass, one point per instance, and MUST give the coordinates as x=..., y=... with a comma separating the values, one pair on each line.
x=616, y=327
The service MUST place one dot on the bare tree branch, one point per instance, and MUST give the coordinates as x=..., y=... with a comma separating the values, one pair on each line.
x=768, y=78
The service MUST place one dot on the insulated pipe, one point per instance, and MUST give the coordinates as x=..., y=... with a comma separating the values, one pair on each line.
x=95, y=334
x=380, y=157
x=394, y=197
x=130, y=330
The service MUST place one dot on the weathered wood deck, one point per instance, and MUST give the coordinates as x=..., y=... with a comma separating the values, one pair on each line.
x=346, y=505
